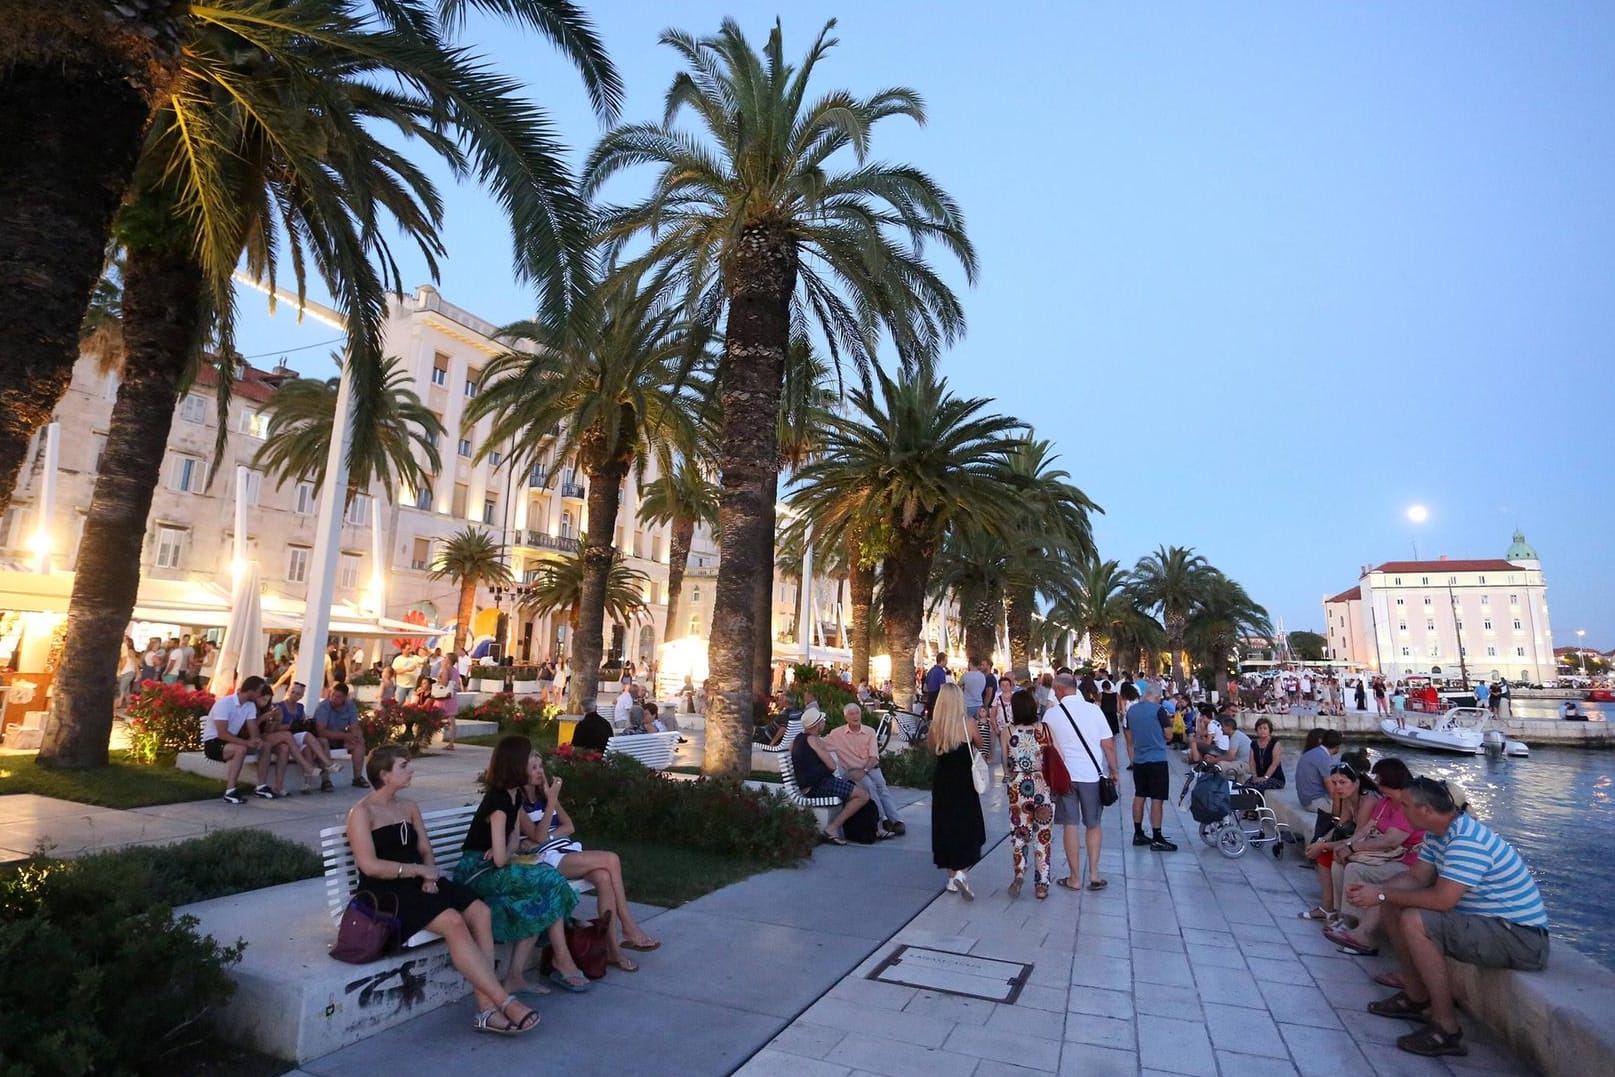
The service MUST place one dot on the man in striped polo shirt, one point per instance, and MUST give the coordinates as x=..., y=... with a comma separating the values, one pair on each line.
x=1470, y=897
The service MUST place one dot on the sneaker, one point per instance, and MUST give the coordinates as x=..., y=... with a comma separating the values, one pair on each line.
x=1161, y=845
x=265, y=792
x=953, y=880
x=326, y=786
x=233, y=796
x=360, y=783
x=1141, y=838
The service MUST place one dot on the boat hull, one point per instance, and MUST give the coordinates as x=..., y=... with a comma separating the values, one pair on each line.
x=1436, y=740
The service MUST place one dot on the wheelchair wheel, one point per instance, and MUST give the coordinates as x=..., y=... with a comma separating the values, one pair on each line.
x=1231, y=842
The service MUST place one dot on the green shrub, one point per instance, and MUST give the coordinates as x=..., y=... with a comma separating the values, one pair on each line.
x=832, y=696
x=525, y=717
x=914, y=768
x=618, y=797
x=223, y=863
x=97, y=975
x=164, y=720
x=368, y=679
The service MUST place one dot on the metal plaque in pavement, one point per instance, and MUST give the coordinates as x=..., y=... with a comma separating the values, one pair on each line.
x=954, y=974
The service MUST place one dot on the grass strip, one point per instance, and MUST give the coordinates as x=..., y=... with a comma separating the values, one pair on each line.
x=669, y=876
x=119, y=784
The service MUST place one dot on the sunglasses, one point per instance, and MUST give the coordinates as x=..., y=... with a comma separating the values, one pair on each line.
x=1344, y=768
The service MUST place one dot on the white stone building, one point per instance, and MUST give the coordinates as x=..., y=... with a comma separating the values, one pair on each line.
x=1412, y=617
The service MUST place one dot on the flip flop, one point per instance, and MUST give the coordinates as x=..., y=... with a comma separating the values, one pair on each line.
x=1098, y=884
x=576, y=985
x=1067, y=884
x=1391, y=980
x=1015, y=887
x=623, y=963
x=831, y=839
x=1317, y=912
x=641, y=947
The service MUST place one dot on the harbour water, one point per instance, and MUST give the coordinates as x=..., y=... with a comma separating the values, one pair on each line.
x=1558, y=809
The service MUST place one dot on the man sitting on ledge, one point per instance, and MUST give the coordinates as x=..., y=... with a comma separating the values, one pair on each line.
x=857, y=757
x=1469, y=897
x=816, y=777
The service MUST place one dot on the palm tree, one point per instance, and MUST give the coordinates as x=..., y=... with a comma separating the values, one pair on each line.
x=1225, y=615
x=264, y=139
x=557, y=586
x=469, y=557
x=388, y=431
x=608, y=389
x=765, y=222
x=83, y=81
x=1102, y=603
x=1171, y=580
x=914, y=461
x=973, y=567
x=682, y=498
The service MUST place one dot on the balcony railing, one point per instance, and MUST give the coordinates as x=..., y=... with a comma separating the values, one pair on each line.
x=538, y=477
x=572, y=489
x=564, y=543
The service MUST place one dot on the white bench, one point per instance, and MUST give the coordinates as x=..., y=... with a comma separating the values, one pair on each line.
x=823, y=808
x=792, y=728
x=655, y=750
x=445, y=831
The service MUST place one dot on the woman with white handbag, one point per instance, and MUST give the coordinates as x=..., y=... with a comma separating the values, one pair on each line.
x=958, y=831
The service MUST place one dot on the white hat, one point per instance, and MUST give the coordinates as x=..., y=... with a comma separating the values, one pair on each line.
x=811, y=717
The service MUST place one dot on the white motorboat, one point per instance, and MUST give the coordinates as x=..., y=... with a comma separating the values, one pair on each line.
x=1460, y=729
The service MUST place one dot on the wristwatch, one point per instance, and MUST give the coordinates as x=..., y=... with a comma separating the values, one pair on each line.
x=1382, y=897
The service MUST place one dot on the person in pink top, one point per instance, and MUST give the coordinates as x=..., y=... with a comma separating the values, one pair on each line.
x=1386, y=849
x=858, y=760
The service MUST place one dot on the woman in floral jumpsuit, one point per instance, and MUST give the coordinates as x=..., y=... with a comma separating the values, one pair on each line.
x=1031, y=807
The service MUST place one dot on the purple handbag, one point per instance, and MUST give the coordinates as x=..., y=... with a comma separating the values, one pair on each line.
x=366, y=933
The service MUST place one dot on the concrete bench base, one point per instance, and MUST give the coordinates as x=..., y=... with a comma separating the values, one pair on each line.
x=1557, y=1020
x=293, y=1000
x=197, y=763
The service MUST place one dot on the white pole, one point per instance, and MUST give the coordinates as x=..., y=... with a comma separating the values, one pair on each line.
x=47, y=494
x=378, y=562
x=327, y=543
x=238, y=557
x=804, y=612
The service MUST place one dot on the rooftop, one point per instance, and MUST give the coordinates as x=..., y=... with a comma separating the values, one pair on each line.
x=1347, y=596
x=1493, y=564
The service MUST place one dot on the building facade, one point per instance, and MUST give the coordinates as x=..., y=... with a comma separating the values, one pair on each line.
x=1489, y=617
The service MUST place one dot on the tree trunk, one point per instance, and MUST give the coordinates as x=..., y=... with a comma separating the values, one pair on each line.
x=1098, y=649
x=161, y=312
x=683, y=534
x=981, y=625
x=76, y=91
x=1018, y=616
x=762, y=660
x=759, y=278
x=605, y=499
x=860, y=594
x=905, y=572
x=1174, y=640
x=466, y=610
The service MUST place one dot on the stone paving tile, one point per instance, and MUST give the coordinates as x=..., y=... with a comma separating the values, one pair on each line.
x=990, y=1067
x=806, y=1038
x=1240, y=1027
x=890, y=1058
x=1177, y=1047
x=989, y=1042
x=1232, y=987
x=874, y=993
x=955, y=1008
x=1019, y=1021
x=1151, y=968
x=1299, y=1005
x=1101, y=1003
x=1101, y=1031
x=1085, y=1060
x=770, y=1062
x=892, y=1024
x=1323, y=1052
x=1168, y=1001
x=1285, y=971
x=1238, y=1065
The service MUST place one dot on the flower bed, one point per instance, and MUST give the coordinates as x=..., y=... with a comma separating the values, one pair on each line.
x=525, y=716
x=164, y=720
x=409, y=724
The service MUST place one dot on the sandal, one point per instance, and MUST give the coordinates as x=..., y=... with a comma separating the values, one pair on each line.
x=1432, y=1042
x=1098, y=884
x=1066, y=884
x=577, y=983
x=1015, y=887
x=622, y=963
x=525, y=1023
x=643, y=947
x=832, y=839
x=1317, y=912
x=1041, y=890
x=1391, y=980
x=1346, y=944
x=483, y=1023
x=1400, y=1005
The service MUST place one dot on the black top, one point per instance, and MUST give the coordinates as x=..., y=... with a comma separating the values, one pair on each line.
x=396, y=842
x=479, y=836
x=810, y=769
x=591, y=733
x=1264, y=759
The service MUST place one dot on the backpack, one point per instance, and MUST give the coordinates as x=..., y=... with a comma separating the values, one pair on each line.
x=864, y=826
x=1210, y=801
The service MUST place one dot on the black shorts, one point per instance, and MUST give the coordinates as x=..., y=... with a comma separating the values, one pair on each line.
x=1151, y=781
x=213, y=748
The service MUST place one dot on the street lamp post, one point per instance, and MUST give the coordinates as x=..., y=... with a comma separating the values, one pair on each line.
x=1581, y=650
x=517, y=593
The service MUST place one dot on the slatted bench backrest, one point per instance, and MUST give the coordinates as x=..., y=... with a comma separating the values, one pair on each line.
x=445, y=830
x=655, y=750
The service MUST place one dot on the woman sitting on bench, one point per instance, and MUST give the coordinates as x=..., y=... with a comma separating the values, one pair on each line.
x=394, y=858
x=526, y=898
x=554, y=846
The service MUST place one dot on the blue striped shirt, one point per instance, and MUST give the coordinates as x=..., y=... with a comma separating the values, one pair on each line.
x=1497, y=879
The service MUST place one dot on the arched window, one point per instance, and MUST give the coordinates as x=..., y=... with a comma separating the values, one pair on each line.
x=566, y=524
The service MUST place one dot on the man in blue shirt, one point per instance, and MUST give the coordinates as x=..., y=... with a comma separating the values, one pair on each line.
x=336, y=722
x=935, y=678
x=1311, y=769
x=1146, y=743
x=1470, y=897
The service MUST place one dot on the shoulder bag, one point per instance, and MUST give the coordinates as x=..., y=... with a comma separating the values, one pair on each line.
x=366, y=933
x=979, y=774
x=1054, y=768
x=1107, y=786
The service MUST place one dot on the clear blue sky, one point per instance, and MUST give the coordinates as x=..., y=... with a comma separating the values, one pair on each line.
x=1266, y=276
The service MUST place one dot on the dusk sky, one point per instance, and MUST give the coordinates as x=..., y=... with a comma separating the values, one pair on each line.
x=1267, y=276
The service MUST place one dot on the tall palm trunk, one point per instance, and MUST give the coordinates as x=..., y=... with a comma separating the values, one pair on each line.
x=1098, y=648
x=760, y=278
x=161, y=314
x=1018, y=617
x=588, y=644
x=75, y=86
x=981, y=625
x=1174, y=640
x=678, y=560
x=762, y=660
x=861, y=595
x=463, y=613
x=905, y=572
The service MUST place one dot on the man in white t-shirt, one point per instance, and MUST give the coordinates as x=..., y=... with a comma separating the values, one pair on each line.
x=230, y=731
x=179, y=659
x=407, y=667
x=1070, y=714
x=622, y=714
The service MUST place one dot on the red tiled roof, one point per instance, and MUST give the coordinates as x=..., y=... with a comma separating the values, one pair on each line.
x=1487, y=565
x=253, y=384
x=1346, y=596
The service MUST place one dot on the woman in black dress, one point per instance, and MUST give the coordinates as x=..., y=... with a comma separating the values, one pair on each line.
x=957, y=829
x=394, y=858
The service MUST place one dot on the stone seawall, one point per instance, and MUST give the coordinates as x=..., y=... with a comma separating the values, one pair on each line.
x=1365, y=726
